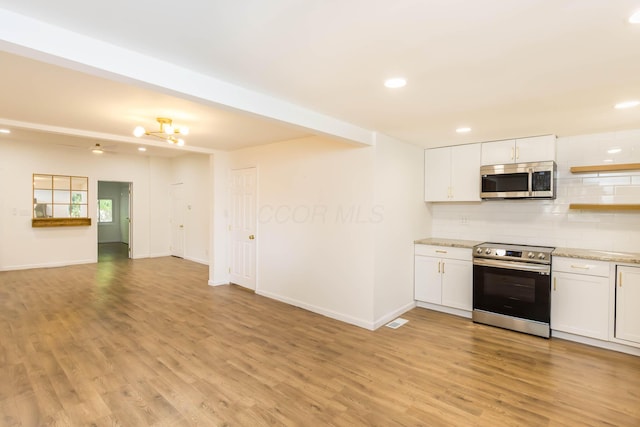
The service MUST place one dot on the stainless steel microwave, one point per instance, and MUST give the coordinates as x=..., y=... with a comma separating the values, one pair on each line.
x=518, y=181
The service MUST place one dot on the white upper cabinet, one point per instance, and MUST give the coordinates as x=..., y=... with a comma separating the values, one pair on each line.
x=521, y=150
x=452, y=174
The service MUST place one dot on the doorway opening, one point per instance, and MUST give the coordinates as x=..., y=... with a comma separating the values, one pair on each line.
x=114, y=221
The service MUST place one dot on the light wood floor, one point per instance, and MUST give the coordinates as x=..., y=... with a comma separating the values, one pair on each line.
x=147, y=342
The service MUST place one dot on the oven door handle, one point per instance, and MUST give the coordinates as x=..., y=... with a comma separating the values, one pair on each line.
x=513, y=265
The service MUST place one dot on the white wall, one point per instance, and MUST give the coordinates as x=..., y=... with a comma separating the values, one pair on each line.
x=41, y=247
x=551, y=222
x=336, y=225
x=315, y=235
x=403, y=217
x=193, y=172
x=219, y=220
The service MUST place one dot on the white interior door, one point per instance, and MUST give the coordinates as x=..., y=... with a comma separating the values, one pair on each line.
x=243, y=227
x=177, y=220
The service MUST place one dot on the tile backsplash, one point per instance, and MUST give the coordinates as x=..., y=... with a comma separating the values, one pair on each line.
x=551, y=222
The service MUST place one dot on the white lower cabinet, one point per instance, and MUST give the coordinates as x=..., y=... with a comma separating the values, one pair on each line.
x=580, y=297
x=627, y=325
x=443, y=276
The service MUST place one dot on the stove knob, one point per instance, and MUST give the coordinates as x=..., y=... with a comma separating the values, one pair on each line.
x=479, y=250
x=540, y=256
x=530, y=255
x=488, y=251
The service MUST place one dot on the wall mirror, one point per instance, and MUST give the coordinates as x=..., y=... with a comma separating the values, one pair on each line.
x=60, y=200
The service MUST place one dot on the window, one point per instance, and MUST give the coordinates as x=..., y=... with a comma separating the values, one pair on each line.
x=105, y=210
x=60, y=200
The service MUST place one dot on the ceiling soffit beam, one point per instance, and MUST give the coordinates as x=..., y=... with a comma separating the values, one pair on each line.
x=99, y=136
x=38, y=40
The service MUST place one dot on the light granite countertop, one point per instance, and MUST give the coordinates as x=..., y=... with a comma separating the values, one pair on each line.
x=450, y=243
x=597, y=255
x=592, y=254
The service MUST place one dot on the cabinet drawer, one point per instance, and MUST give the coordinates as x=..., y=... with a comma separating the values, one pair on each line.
x=581, y=266
x=463, y=254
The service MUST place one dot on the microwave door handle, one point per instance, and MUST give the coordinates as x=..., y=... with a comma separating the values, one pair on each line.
x=530, y=179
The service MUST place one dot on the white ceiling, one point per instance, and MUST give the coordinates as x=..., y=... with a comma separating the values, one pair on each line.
x=504, y=68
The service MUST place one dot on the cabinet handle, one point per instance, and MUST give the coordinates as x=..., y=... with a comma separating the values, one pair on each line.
x=620, y=279
x=583, y=267
x=554, y=283
x=517, y=153
x=440, y=252
x=512, y=153
x=439, y=266
x=442, y=267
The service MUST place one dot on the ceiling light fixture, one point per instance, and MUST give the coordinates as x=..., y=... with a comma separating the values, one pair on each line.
x=635, y=18
x=5, y=131
x=142, y=149
x=627, y=104
x=166, y=132
x=395, y=82
x=97, y=149
x=463, y=130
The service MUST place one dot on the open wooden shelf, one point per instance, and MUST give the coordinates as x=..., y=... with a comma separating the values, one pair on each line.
x=605, y=168
x=604, y=207
x=60, y=222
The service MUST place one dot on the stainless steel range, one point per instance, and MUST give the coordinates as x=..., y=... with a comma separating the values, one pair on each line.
x=512, y=287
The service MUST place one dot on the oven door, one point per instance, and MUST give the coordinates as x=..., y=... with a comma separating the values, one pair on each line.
x=514, y=289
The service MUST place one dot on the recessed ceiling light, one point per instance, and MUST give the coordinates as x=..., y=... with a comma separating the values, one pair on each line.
x=614, y=150
x=142, y=149
x=463, y=130
x=635, y=18
x=5, y=131
x=627, y=104
x=395, y=82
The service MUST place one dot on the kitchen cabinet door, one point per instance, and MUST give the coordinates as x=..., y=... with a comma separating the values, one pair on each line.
x=452, y=174
x=427, y=281
x=535, y=149
x=580, y=304
x=437, y=174
x=628, y=304
x=498, y=152
x=465, y=173
x=457, y=287
x=521, y=150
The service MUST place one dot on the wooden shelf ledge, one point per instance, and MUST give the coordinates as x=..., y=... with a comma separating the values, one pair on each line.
x=606, y=168
x=604, y=207
x=60, y=222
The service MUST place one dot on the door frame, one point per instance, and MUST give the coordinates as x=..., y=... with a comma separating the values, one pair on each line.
x=129, y=188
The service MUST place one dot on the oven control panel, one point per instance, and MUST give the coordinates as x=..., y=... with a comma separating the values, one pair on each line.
x=537, y=254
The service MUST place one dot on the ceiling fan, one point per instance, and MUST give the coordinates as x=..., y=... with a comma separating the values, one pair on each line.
x=99, y=149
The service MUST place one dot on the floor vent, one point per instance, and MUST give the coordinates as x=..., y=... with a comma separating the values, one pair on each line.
x=396, y=323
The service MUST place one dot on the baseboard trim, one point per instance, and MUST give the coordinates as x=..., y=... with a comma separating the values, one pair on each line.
x=48, y=265
x=392, y=315
x=158, y=255
x=319, y=310
x=219, y=283
x=199, y=261
x=596, y=342
x=443, y=309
